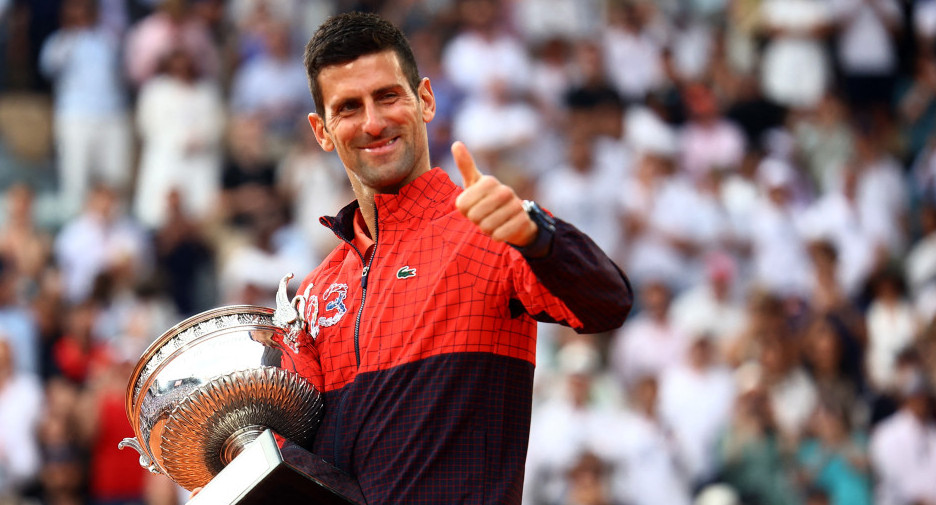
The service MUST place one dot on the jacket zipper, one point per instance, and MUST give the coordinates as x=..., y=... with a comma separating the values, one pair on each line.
x=357, y=327
x=357, y=322
x=364, y=273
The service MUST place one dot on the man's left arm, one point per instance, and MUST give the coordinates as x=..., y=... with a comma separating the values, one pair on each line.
x=575, y=270
x=564, y=260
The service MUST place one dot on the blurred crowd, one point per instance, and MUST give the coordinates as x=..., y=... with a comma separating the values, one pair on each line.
x=763, y=170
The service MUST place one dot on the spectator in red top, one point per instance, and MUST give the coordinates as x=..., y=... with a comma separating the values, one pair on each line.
x=115, y=477
x=77, y=352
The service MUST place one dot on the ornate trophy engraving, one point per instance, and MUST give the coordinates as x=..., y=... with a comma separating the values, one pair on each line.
x=211, y=385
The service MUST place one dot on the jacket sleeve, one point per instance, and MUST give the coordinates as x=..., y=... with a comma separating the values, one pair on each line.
x=585, y=279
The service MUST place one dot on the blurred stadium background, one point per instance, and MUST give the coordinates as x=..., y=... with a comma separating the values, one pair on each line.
x=763, y=170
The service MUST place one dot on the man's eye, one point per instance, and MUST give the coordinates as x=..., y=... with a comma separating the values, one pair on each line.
x=347, y=108
x=389, y=97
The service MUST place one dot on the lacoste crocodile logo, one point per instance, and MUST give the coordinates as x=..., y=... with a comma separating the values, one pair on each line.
x=405, y=272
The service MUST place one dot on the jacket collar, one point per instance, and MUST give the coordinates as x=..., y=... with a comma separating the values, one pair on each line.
x=428, y=197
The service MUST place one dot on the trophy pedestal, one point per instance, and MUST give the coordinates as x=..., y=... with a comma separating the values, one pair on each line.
x=263, y=474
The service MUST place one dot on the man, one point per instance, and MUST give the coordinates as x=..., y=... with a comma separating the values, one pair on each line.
x=419, y=328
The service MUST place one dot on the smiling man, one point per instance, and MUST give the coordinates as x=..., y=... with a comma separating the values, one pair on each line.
x=420, y=328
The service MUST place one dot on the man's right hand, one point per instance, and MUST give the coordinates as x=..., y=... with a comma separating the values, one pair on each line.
x=491, y=205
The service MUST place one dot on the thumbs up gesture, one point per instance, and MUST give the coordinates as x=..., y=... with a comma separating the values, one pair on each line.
x=490, y=204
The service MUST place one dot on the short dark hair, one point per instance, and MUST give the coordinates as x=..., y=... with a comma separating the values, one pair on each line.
x=346, y=37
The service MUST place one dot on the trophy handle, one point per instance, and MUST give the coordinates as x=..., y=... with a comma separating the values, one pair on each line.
x=145, y=460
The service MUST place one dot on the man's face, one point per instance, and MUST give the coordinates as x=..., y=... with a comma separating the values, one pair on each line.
x=375, y=122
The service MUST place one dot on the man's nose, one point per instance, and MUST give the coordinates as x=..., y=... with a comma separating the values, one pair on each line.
x=374, y=120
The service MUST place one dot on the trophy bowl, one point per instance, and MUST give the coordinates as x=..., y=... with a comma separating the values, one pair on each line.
x=212, y=384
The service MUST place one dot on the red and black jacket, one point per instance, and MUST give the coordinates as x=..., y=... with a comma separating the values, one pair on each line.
x=425, y=354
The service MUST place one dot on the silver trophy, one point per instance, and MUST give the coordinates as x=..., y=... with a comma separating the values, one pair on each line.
x=213, y=384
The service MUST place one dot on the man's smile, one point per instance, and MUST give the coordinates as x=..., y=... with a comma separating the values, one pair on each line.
x=381, y=146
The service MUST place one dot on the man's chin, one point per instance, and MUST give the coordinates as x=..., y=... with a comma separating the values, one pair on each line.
x=385, y=179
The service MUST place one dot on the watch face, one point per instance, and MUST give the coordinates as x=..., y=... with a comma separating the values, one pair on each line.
x=538, y=216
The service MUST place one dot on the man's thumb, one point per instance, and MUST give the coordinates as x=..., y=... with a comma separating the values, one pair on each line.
x=466, y=165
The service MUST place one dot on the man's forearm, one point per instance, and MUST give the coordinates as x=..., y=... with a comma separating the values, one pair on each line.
x=580, y=274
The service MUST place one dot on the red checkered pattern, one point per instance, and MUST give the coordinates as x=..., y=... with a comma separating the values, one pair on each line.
x=446, y=354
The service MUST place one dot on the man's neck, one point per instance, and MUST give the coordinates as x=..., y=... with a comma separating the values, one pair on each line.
x=366, y=198
x=369, y=211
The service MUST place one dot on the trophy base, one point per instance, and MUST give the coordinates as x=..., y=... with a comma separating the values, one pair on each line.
x=263, y=474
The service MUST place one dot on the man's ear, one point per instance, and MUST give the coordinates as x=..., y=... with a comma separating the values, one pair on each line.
x=318, y=127
x=427, y=98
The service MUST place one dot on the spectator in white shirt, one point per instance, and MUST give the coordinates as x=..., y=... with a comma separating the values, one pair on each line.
x=648, y=343
x=660, y=207
x=695, y=402
x=541, y=20
x=882, y=193
x=778, y=252
x=483, y=54
x=21, y=401
x=795, y=69
x=709, y=141
x=837, y=217
x=867, y=48
x=92, y=129
x=790, y=391
x=491, y=67
x=646, y=470
x=102, y=237
x=892, y=326
x=903, y=447
x=579, y=191
x=632, y=52
x=180, y=117
x=713, y=306
x=566, y=425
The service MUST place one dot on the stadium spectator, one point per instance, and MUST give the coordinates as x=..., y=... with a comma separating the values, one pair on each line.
x=21, y=401
x=834, y=457
x=648, y=343
x=577, y=189
x=275, y=107
x=632, y=51
x=101, y=238
x=26, y=245
x=778, y=252
x=180, y=118
x=171, y=28
x=903, y=446
x=660, y=243
x=709, y=141
x=712, y=307
x=795, y=67
x=645, y=463
x=789, y=390
x=867, y=50
x=824, y=141
x=833, y=360
x=93, y=136
x=564, y=428
x=17, y=324
x=892, y=326
x=695, y=402
x=751, y=451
